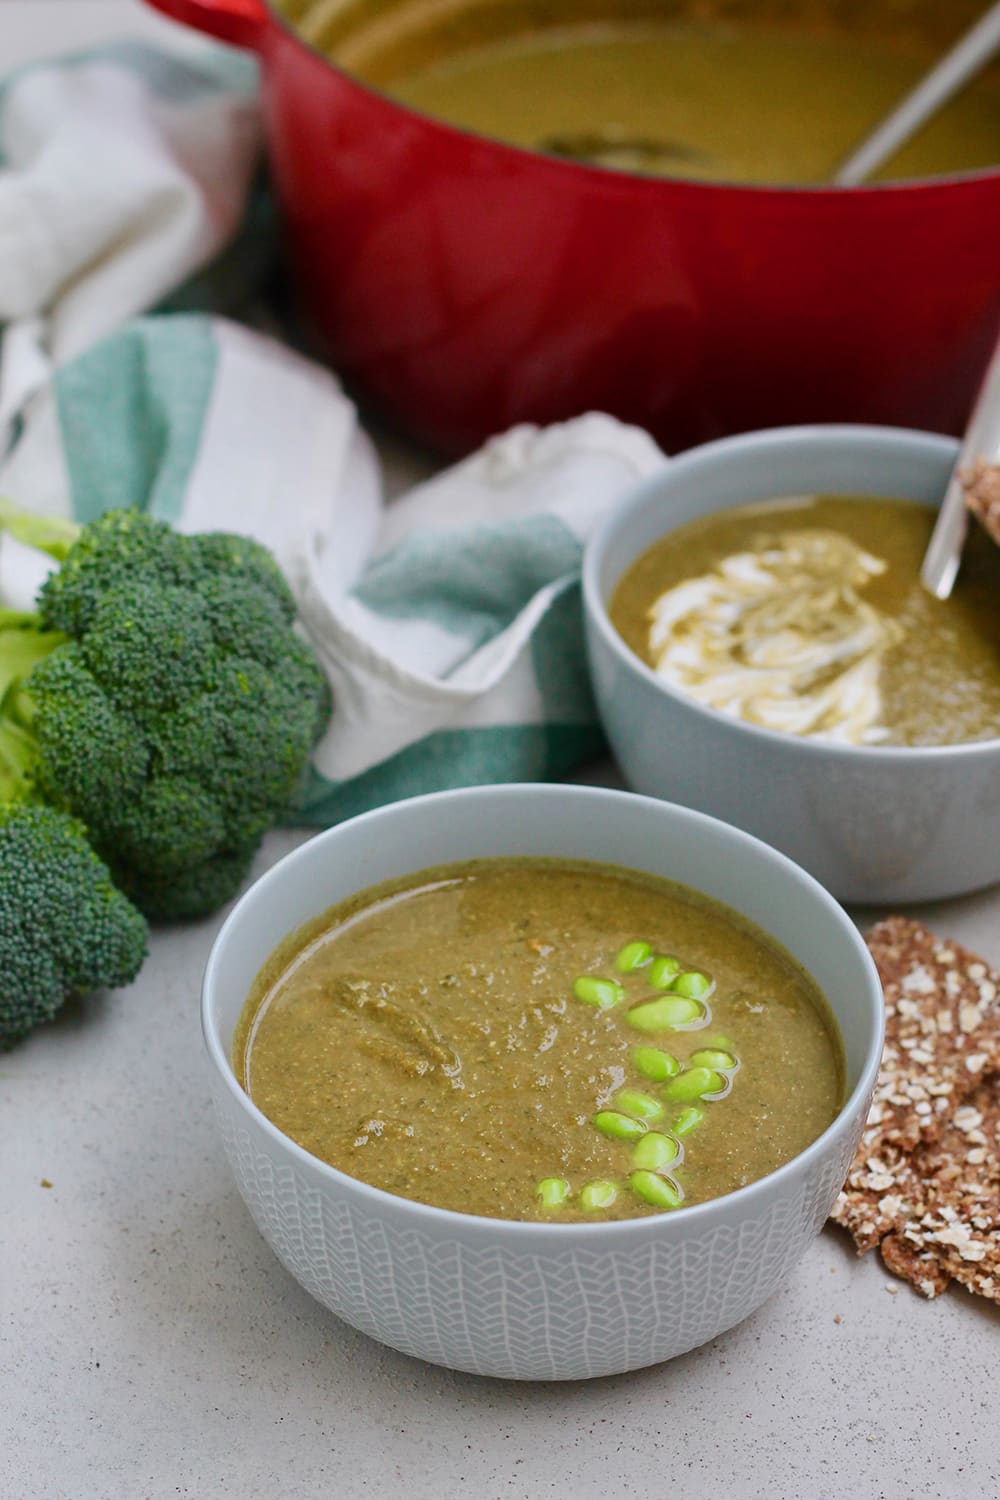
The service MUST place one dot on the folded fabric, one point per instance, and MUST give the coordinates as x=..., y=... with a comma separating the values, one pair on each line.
x=449, y=620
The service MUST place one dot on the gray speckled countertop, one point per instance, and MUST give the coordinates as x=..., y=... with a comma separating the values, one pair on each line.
x=151, y=1346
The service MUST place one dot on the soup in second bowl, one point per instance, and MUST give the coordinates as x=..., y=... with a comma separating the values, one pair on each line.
x=720, y=91
x=807, y=615
x=536, y=1039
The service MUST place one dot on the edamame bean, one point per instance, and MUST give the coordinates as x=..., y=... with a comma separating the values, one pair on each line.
x=640, y=1106
x=654, y=1064
x=632, y=957
x=552, y=1192
x=713, y=1057
x=655, y=1151
x=691, y=984
x=597, y=1195
x=661, y=1192
x=663, y=1013
x=662, y=970
x=618, y=1127
x=602, y=993
x=693, y=1084
x=687, y=1120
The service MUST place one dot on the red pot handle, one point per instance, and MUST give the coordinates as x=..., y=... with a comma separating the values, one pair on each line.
x=241, y=22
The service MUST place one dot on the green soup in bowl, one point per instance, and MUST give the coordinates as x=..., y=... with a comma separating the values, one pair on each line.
x=566, y=1292
x=541, y=1039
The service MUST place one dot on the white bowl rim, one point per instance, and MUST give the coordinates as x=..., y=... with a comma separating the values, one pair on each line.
x=803, y=438
x=445, y=1218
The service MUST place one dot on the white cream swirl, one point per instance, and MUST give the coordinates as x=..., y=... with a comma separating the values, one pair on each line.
x=781, y=637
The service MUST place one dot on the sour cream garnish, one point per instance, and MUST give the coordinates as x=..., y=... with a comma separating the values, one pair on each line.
x=781, y=637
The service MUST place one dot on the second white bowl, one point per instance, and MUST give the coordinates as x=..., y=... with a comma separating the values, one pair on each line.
x=882, y=824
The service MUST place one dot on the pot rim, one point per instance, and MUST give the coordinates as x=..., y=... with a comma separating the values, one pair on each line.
x=631, y=181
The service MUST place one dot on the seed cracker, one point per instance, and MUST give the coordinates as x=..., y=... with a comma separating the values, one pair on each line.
x=942, y=1008
x=982, y=495
x=952, y=1228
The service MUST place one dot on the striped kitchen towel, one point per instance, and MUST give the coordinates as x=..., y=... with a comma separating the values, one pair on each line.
x=449, y=619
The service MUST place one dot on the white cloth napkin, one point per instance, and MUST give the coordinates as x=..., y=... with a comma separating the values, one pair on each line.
x=448, y=621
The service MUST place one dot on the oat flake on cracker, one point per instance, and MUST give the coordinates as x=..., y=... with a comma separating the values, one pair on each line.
x=952, y=1228
x=942, y=1036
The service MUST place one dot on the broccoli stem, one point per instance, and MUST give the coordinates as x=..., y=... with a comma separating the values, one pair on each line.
x=51, y=534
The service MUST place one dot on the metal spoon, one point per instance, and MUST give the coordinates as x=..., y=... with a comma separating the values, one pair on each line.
x=981, y=441
x=970, y=54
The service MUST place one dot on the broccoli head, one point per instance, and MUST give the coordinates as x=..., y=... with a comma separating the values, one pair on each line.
x=64, y=927
x=123, y=546
x=176, y=708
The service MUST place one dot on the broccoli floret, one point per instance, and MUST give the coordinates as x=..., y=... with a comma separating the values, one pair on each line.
x=149, y=644
x=117, y=548
x=93, y=759
x=176, y=722
x=213, y=555
x=124, y=545
x=194, y=891
x=64, y=927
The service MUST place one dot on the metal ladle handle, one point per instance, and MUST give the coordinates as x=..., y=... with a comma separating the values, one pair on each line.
x=970, y=53
x=981, y=441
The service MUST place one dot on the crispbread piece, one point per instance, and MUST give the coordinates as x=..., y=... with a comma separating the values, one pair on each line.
x=880, y=1194
x=982, y=495
x=942, y=1012
x=950, y=1228
x=942, y=1035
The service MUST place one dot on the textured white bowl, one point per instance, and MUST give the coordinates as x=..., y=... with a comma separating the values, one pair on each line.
x=538, y=1301
x=889, y=824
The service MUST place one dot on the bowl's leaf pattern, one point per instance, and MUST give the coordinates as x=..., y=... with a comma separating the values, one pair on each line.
x=595, y=1305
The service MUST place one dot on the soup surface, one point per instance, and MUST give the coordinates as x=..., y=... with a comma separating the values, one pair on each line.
x=535, y=1039
x=807, y=615
x=657, y=89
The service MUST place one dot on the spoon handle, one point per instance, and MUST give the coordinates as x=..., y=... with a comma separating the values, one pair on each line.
x=970, y=53
x=981, y=440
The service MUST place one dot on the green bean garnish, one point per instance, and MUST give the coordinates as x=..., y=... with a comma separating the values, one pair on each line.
x=661, y=1192
x=597, y=1195
x=603, y=993
x=552, y=1192
x=713, y=1057
x=655, y=1151
x=632, y=957
x=691, y=983
x=654, y=1064
x=640, y=1106
x=664, y=1013
x=687, y=1120
x=662, y=970
x=694, y=1084
x=619, y=1127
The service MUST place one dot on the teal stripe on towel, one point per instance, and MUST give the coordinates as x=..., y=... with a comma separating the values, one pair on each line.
x=131, y=412
x=451, y=758
x=472, y=581
x=560, y=660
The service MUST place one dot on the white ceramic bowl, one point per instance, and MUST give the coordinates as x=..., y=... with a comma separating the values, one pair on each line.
x=538, y=1301
x=874, y=824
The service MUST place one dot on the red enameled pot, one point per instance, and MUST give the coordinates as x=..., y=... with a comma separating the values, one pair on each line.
x=463, y=285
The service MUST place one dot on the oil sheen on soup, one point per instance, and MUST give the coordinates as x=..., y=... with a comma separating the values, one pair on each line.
x=806, y=615
x=535, y=1039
